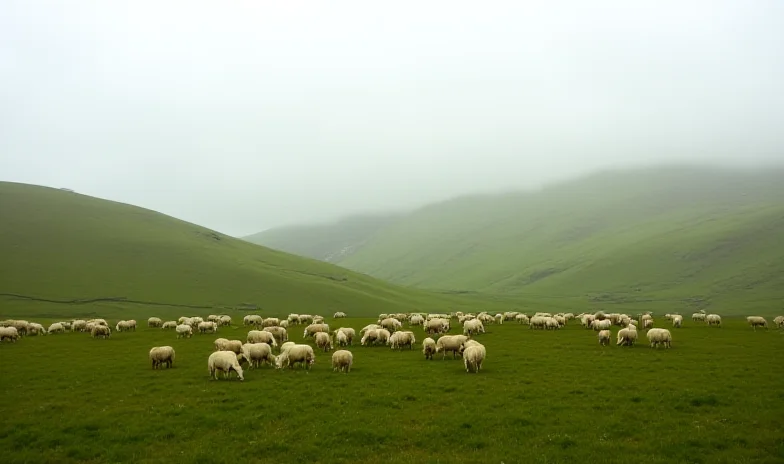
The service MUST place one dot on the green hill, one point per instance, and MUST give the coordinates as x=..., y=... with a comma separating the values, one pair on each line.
x=59, y=245
x=659, y=237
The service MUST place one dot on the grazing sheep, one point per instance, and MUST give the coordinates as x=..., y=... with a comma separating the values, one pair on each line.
x=627, y=336
x=677, y=321
x=57, y=327
x=162, y=355
x=437, y=326
x=313, y=329
x=713, y=319
x=252, y=319
x=473, y=327
x=270, y=322
x=280, y=334
x=224, y=321
x=36, y=329
x=450, y=343
x=207, y=327
x=779, y=321
x=369, y=327
x=757, y=321
x=154, y=322
x=400, y=339
x=124, y=326
x=659, y=337
x=224, y=361
x=391, y=324
x=101, y=331
x=296, y=354
x=341, y=338
x=338, y=315
x=604, y=337
x=473, y=357
x=9, y=333
x=323, y=341
x=184, y=331
x=222, y=344
x=698, y=317
x=429, y=347
x=647, y=323
x=349, y=333
x=416, y=319
x=257, y=354
x=169, y=325
x=342, y=361
x=79, y=325
x=261, y=336
x=375, y=336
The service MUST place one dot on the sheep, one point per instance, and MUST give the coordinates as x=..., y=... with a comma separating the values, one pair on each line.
x=293, y=319
x=537, y=322
x=341, y=338
x=252, y=319
x=713, y=319
x=280, y=334
x=391, y=324
x=659, y=336
x=162, y=355
x=369, y=327
x=601, y=324
x=36, y=329
x=222, y=344
x=342, y=361
x=416, y=320
x=169, y=325
x=647, y=323
x=473, y=357
x=318, y=319
x=349, y=333
x=437, y=326
x=312, y=329
x=270, y=322
x=473, y=327
x=757, y=321
x=101, y=331
x=154, y=322
x=286, y=346
x=779, y=321
x=627, y=336
x=698, y=317
x=296, y=354
x=428, y=347
x=224, y=321
x=323, y=341
x=257, y=354
x=57, y=327
x=9, y=333
x=123, y=326
x=79, y=325
x=284, y=323
x=677, y=321
x=224, y=361
x=450, y=343
x=375, y=336
x=400, y=339
x=338, y=315
x=261, y=336
x=184, y=331
x=604, y=337
x=522, y=319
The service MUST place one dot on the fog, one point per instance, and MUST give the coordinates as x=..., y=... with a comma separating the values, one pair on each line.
x=245, y=115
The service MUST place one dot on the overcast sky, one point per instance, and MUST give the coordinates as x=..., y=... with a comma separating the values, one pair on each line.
x=244, y=115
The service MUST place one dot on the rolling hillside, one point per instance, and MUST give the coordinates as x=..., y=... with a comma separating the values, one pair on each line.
x=59, y=245
x=676, y=235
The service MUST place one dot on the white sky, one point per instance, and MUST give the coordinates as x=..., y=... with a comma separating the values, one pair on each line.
x=245, y=115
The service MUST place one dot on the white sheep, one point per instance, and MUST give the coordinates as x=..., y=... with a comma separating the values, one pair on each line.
x=779, y=321
x=313, y=329
x=473, y=357
x=261, y=336
x=627, y=336
x=162, y=355
x=9, y=333
x=169, y=325
x=429, y=347
x=154, y=322
x=252, y=319
x=257, y=354
x=416, y=319
x=224, y=361
x=207, y=327
x=184, y=331
x=402, y=338
x=604, y=337
x=36, y=329
x=375, y=336
x=323, y=341
x=349, y=333
x=659, y=337
x=757, y=321
x=698, y=317
x=677, y=321
x=224, y=321
x=450, y=343
x=341, y=338
x=57, y=327
x=222, y=344
x=391, y=324
x=296, y=354
x=101, y=331
x=713, y=319
x=342, y=361
x=280, y=333
x=338, y=315
x=473, y=327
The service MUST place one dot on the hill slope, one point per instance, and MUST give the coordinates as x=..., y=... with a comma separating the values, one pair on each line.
x=708, y=236
x=60, y=245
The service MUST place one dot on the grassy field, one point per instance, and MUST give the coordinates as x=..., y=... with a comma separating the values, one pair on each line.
x=716, y=397
x=683, y=238
x=58, y=245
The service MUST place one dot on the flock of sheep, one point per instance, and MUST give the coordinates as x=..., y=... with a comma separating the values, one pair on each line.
x=268, y=335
